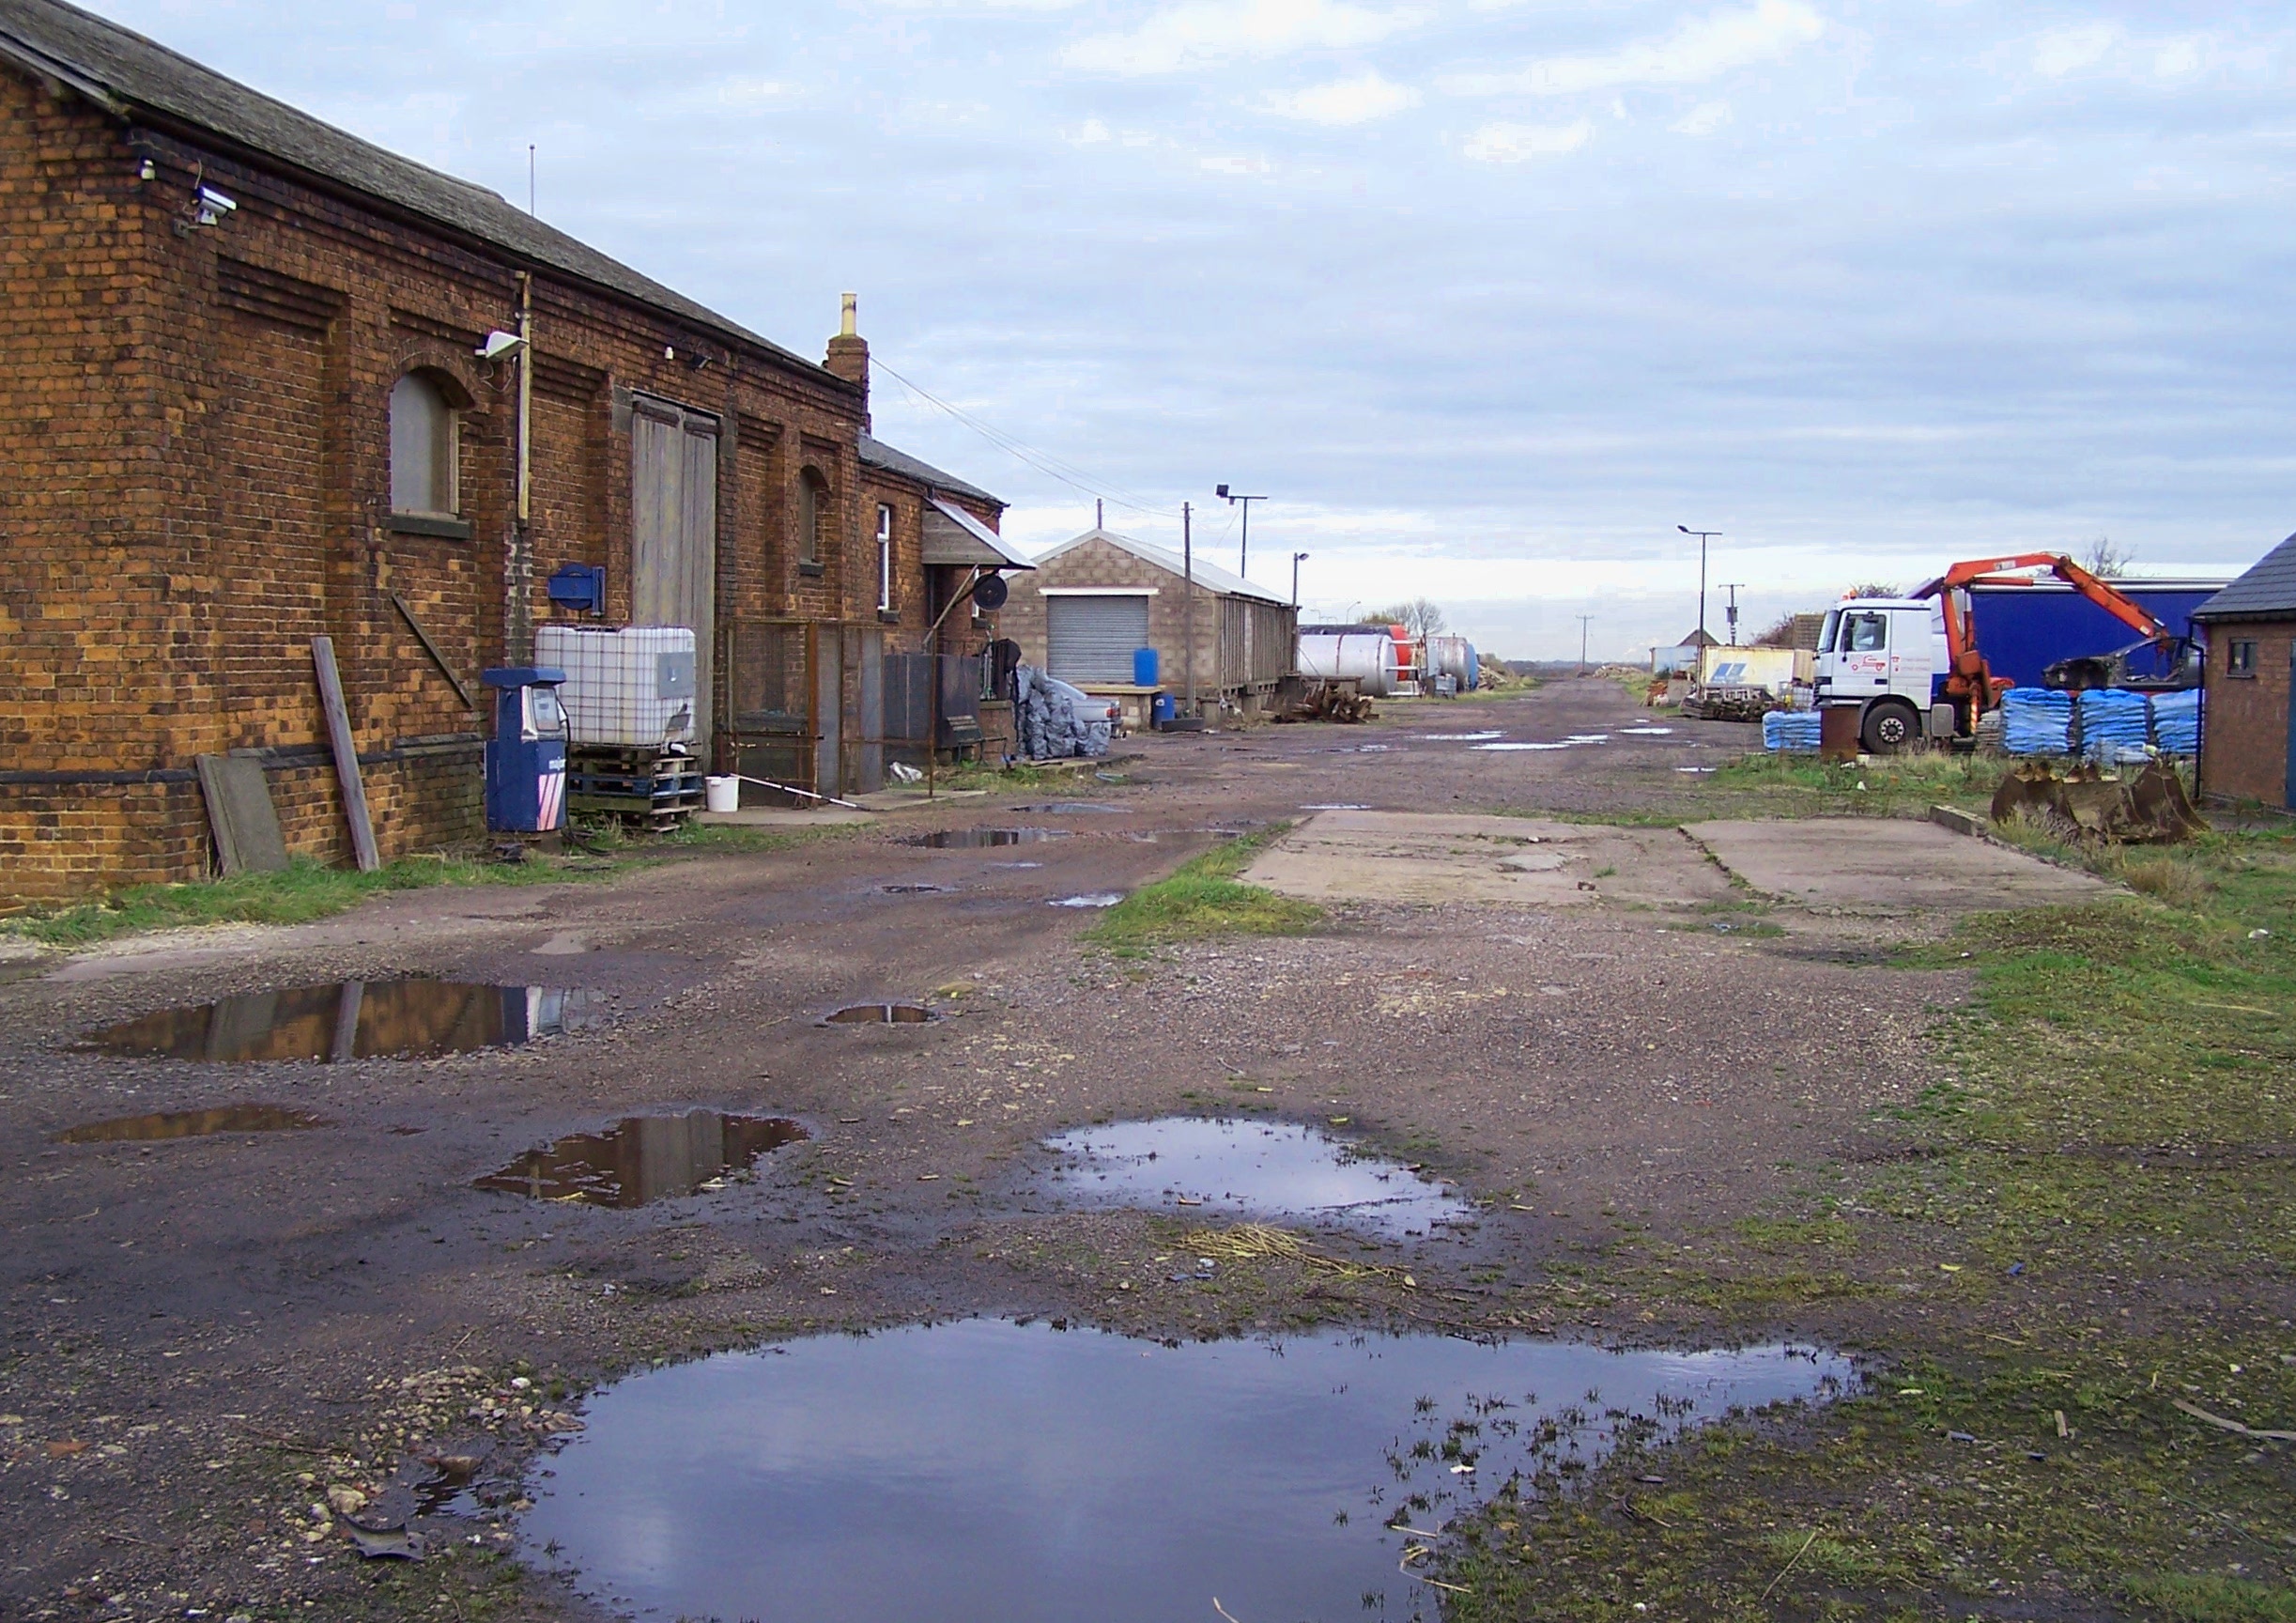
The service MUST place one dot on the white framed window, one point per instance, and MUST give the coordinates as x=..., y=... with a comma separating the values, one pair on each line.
x=884, y=558
x=424, y=472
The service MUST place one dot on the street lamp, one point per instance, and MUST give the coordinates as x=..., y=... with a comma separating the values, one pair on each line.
x=1703, y=536
x=1243, y=554
x=1297, y=559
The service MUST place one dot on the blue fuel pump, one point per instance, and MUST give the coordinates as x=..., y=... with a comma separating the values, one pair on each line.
x=526, y=760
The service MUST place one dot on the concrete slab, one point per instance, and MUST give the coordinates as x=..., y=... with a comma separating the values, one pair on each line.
x=1888, y=865
x=1431, y=859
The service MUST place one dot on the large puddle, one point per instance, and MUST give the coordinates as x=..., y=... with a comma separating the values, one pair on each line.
x=644, y=1158
x=977, y=839
x=413, y=1019
x=984, y=1469
x=1265, y=1168
x=191, y=1124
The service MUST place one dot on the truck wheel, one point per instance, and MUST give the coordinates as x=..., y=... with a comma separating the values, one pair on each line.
x=1890, y=726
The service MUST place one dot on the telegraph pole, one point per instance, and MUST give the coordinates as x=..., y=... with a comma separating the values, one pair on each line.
x=1187, y=568
x=1732, y=587
x=1582, y=620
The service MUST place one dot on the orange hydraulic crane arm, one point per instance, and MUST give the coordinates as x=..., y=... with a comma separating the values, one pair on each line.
x=2101, y=592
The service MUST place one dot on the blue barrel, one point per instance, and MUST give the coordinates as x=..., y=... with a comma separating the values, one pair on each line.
x=1165, y=709
x=1144, y=668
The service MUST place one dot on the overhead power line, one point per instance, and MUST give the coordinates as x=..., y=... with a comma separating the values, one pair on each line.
x=1042, y=462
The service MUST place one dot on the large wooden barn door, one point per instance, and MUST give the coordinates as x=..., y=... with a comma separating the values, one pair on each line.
x=673, y=531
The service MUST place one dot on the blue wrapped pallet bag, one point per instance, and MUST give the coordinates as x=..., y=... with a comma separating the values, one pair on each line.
x=2037, y=721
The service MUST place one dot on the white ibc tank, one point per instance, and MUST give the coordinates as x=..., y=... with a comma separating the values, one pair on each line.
x=1369, y=656
x=632, y=687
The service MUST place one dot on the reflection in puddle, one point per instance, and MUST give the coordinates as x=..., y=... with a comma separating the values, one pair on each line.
x=974, y=839
x=943, y=1471
x=1094, y=899
x=1521, y=746
x=1335, y=806
x=1070, y=809
x=191, y=1124
x=917, y=889
x=1269, y=1169
x=1459, y=737
x=1646, y=732
x=881, y=1014
x=413, y=1019
x=644, y=1158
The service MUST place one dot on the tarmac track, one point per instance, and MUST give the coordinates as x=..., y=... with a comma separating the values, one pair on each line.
x=189, y=1324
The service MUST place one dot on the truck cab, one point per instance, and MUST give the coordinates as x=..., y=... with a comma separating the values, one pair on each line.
x=1886, y=656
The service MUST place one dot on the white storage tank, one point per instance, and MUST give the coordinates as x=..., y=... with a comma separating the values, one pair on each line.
x=631, y=686
x=1369, y=656
x=1454, y=656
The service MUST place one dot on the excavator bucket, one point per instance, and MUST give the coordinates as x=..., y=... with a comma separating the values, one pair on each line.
x=2086, y=806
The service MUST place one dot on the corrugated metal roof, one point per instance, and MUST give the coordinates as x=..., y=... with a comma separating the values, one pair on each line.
x=1208, y=575
x=875, y=452
x=2268, y=588
x=130, y=75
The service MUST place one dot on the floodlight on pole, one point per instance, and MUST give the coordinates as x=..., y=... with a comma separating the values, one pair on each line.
x=1297, y=559
x=1243, y=553
x=1732, y=587
x=1703, y=536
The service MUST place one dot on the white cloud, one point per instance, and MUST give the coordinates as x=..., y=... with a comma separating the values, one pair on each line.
x=1355, y=101
x=1092, y=133
x=1699, y=50
x=1702, y=119
x=2063, y=51
x=1518, y=142
x=1200, y=32
x=1234, y=164
x=2178, y=58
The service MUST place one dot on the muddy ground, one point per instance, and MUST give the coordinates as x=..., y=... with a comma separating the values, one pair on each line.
x=203, y=1335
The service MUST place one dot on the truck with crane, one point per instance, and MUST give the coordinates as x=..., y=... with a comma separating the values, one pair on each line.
x=1914, y=670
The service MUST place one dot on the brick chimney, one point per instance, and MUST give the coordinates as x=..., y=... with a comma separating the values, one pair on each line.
x=848, y=356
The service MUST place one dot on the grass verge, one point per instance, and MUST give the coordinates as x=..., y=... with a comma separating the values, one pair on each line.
x=2075, y=1248
x=1201, y=900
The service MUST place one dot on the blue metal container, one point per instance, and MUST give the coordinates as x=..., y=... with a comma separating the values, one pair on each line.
x=2023, y=630
x=1145, y=666
x=526, y=760
x=1165, y=710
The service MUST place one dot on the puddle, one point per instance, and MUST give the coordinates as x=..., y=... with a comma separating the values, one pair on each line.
x=1457, y=738
x=975, y=839
x=881, y=1014
x=644, y=1158
x=411, y=1019
x=191, y=1124
x=985, y=1469
x=1267, y=1168
x=1646, y=732
x=1587, y=738
x=1335, y=806
x=917, y=889
x=1096, y=899
x=1693, y=768
x=1016, y=864
x=1521, y=746
x=1070, y=809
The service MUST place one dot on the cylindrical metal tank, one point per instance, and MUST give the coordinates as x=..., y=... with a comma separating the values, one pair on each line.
x=1369, y=656
x=1451, y=655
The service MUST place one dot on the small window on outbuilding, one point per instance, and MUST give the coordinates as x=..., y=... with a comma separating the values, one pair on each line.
x=2241, y=657
x=423, y=472
x=816, y=519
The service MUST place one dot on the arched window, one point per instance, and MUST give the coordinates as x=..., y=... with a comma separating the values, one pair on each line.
x=422, y=445
x=816, y=517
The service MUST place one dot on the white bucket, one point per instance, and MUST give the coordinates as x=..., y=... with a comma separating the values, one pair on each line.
x=725, y=793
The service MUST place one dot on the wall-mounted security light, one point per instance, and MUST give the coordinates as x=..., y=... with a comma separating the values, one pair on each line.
x=147, y=171
x=214, y=206
x=500, y=346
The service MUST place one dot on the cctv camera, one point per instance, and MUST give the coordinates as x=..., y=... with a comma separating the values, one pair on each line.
x=500, y=346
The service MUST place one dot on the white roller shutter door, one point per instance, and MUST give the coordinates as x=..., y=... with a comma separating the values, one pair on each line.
x=1091, y=639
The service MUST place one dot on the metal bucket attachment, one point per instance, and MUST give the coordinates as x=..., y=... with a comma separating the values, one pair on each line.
x=2086, y=806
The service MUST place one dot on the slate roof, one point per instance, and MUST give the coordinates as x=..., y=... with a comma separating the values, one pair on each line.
x=1208, y=575
x=2268, y=587
x=877, y=454
x=137, y=78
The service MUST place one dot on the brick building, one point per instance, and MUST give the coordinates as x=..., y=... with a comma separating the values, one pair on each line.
x=2248, y=743
x=245, y=400
x=1096, y=598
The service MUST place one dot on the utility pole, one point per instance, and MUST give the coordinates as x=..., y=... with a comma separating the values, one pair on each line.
x=1703, y=536
x=1243, y=554
x=1582, y=620
x=1187, y=569
x=1297, y=558
x=1099, y=514
x=1732, y=587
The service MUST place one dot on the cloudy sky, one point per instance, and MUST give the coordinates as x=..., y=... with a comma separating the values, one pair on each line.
x=1486, y=296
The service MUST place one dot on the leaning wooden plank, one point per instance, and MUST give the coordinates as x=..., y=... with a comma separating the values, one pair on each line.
x=431, y=648
x=346, y=754
x=240, y=811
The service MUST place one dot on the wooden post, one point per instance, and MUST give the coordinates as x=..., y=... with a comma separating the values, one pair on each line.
x=346, y=754
x=1187, y=570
